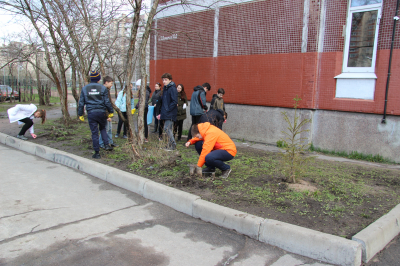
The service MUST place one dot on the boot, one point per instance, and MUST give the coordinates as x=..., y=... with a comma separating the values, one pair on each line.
x=108, y=147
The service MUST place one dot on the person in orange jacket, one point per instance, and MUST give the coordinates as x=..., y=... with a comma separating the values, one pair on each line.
x=214, y=146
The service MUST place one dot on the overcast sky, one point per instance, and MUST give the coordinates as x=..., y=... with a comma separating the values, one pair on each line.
x=10, y=25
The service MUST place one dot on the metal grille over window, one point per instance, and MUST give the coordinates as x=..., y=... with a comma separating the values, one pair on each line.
x=362, y=39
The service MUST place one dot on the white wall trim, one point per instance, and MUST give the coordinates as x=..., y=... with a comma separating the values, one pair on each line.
x=322, y=18
x=306, y=15
x=216, y=31
x=356, y=76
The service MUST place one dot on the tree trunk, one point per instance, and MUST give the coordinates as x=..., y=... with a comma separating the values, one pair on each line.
x=47, y=93
x=142, y=58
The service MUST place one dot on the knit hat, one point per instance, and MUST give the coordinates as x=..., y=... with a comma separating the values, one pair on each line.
x=94, y=76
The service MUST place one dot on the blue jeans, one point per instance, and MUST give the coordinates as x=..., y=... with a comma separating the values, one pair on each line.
x=168, y=125
x=216, y=158
x=98, y=120
x=109, y=133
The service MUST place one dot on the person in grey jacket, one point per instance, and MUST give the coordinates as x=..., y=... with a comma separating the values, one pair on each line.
x=198, y=104
x=95, y=97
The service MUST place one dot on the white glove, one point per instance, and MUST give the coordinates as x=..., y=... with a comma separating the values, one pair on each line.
x=184, y=106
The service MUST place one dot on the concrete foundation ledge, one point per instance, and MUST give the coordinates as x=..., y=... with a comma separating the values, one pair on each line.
x=243, y=223
x=174, y=198
x=378, y=234
x=126, y=180
x=311, y=243
x=3, y=138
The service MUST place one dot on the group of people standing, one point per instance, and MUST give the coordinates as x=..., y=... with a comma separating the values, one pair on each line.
x=170, y=103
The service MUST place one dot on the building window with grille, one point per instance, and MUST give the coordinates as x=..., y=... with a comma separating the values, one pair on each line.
x=358, y=72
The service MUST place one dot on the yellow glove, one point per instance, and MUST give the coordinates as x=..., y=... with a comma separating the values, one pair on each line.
x=82, y=118
x=111, y=115
x=133, y=111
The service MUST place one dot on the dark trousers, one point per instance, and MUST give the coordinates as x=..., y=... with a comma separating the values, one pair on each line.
x=98, y=120
x=178, y=125
x=28, y=123
x=216, y=158
x=120, y=122
x=195, y=120
x=146, y=128
x=155, y=122
x=160, y=128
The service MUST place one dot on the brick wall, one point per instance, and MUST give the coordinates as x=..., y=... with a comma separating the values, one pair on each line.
x=259, y=55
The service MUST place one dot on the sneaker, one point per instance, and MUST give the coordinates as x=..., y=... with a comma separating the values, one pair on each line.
x=96, y=156
x=108, y=148
x=114, y=145
x=101, y=147
x=22, y=137
x=145, y=140
x=226, y=173
x=208, y=170
x=125, y=136
x=116, y=136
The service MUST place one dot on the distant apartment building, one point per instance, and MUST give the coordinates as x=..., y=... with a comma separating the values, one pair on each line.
x=333, y=54
x=121, y=30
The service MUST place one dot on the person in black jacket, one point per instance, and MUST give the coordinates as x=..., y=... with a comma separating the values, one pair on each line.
x=182, y=104
x=95, y=97
x=157, y=111
x=169, y=109
x=154, y=99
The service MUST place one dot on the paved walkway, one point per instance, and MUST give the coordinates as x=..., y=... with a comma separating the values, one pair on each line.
x=54, y=215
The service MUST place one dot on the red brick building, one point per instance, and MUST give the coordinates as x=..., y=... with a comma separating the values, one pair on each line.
x=334, y=54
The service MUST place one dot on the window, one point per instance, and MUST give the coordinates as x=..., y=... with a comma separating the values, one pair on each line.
x=358, y=77
x=362, y=36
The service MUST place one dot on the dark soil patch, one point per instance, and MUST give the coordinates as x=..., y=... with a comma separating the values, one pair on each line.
x=347, y=196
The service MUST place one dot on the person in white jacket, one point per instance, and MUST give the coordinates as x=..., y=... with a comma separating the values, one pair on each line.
x=24, y=114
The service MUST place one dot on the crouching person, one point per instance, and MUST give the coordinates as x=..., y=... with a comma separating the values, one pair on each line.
x=214, y=146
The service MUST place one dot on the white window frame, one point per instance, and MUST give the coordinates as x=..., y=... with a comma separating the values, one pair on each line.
x=351, y=10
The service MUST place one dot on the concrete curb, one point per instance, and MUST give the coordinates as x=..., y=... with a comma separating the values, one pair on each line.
x=174, y=198
x=311, y=243
x=243, y=223
x=292, y=238
x=378, y=234
x=3, y=138
x=126, y=180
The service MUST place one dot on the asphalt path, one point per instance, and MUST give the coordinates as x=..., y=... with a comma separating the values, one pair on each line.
x=54, y=215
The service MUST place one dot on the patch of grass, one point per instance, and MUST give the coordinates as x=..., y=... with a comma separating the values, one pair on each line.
x=281, y=144
x=354, y=155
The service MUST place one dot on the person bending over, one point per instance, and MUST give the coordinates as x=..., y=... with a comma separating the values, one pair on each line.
x=24, y=114
x=214, y=147
x=214, y=117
